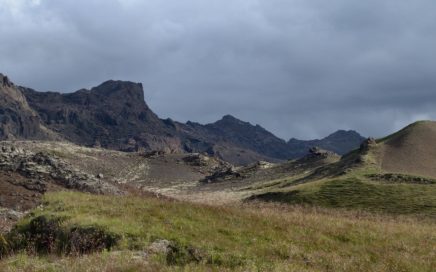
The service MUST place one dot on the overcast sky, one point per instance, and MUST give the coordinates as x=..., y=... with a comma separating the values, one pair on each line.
x=300, y=68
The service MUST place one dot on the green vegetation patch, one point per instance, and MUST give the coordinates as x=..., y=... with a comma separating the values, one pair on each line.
x=254, y=237
x=47, y=234
x=353, y=193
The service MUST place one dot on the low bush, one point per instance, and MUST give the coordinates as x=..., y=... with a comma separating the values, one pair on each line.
x=47, y=235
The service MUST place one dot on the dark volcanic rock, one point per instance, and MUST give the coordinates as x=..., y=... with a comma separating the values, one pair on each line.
x=113, y=115
x=242, y=143
x=234, y=140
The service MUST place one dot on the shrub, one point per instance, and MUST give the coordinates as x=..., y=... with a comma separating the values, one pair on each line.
x=46, y=235
x=179, y=254
x=83, y=240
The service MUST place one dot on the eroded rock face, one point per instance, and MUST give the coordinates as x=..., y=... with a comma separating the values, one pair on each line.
x=17, y=119
x=112, y=115
x=4, y=81
x=42, y=167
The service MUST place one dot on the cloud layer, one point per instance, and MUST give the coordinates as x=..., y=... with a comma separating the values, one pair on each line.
x=299, y=68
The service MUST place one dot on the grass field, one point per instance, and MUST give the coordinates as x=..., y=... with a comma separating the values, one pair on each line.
x=242, y=237
x=353, y=193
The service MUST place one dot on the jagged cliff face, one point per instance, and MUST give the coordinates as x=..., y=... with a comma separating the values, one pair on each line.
x=17, y=119
x=113, y=115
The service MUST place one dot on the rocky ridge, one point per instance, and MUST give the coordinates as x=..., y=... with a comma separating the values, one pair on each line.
x=41, y=168
x=115, y=116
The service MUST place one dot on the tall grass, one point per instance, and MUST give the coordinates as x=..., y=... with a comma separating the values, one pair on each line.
x=249, y=237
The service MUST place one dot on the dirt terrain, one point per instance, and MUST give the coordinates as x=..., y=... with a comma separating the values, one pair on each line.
x=194, y=177
x=30, y=168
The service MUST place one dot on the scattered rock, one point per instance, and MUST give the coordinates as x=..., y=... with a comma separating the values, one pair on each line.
x=264, y=165
x=37, y=166
x=159, y=247
x=8, y=218
x=153, y=154
x=196, y=159
x=228, y=173
x=10, y=214
x=318, y=152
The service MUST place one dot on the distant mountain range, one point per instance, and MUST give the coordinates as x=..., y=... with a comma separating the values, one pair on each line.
x=114, y=115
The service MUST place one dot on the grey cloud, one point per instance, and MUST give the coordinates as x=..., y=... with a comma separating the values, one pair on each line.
x=298, y=68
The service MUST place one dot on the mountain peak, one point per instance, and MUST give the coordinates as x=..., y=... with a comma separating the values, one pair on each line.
x=229, y=117
x=119, y=87
x=344, y=133
x=230, y=120
x=4, y=81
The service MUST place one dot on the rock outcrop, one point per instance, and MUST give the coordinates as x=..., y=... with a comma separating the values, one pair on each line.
x=112, y=115
x=368, y=144
x=40, y=169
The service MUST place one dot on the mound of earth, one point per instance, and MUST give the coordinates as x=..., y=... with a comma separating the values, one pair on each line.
x=411, y=150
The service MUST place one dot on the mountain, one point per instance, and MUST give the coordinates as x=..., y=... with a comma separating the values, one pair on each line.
x=17, y=119
x=412, y=150
x=340, y=142
x=114, y=115
x=234, y=140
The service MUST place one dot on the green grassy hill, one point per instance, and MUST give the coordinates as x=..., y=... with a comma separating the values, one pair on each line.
x=245, y=237
x=394, y=175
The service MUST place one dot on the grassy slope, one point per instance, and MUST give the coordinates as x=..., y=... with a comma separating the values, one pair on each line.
x=355, y=190
x=246, y=238
x=353, y=193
